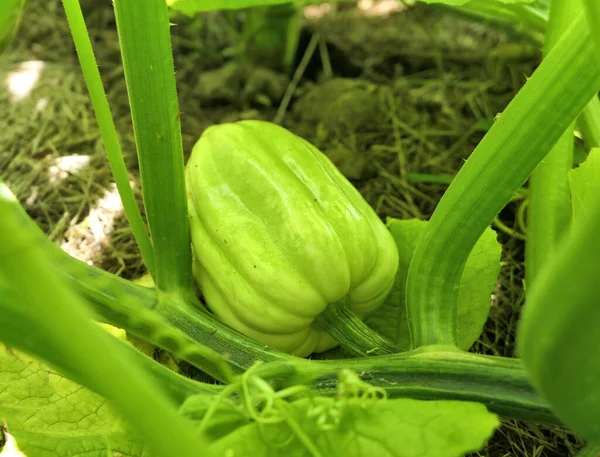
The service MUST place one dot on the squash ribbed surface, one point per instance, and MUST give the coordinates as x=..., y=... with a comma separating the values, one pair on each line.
x=278, y=233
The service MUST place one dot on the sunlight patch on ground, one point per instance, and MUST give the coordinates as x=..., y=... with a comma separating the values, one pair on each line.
x=21, y=82
x=41, y=104
x=318, y=11
x=62, y=167
x=380, y=8
x=86, y=240
x=372, y=8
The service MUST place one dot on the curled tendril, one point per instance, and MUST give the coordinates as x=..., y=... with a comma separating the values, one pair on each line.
x=328, y=417
x=215, y=404
x=262, y=394
x=268, y=407
x=260, y=399
x=351, y=386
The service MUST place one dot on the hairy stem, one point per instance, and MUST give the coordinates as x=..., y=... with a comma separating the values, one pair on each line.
x=145, y=42
x=434, y=373
x=548, y=103
x=352, y=333
x=549, y=210
x=445, y=374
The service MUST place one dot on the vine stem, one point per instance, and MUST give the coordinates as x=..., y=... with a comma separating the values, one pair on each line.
x=429, y=373
x=552, y=98
x=549, y=208
x=352, y=333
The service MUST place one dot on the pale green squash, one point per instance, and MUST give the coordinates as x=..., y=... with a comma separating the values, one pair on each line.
x=278, y=233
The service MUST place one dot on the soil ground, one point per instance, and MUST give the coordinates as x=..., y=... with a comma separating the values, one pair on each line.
x=398, y=101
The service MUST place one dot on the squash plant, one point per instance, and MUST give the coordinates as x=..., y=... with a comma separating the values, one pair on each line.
x=67, y=387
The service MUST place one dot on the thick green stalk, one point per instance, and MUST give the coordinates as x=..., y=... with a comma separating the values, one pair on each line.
x=558, y=333
x=65, y=324
x=352, y=333
x=590, y=119
x=549, y=207
x=138, y=310
x=532, y=123
x=154, y=317
x=20, y=321
x=589, y=124
x=558, y=336
x=144, y=36
x=561, y=16
x=107, y=129
x=432, y=374
x=505, y=388
x=500, y=383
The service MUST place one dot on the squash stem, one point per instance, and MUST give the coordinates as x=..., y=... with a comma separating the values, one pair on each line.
x=352, y=333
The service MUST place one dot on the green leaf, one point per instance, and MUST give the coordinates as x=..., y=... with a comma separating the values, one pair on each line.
x=585, y=185
x=474, y=298
x=226, y=417
x=357, y=428
x=66, y=336
x=51, y=416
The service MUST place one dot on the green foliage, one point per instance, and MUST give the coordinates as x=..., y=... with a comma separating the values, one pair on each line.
x=564, y=83
x=558, y=333
x=191, y=7
x=584, y=182
x=145, y=42
x=474, y=297
x=359, y=421
x=51, y=416
x=10, y=18
x=449, y=266
x=388, y=428
x=65, y=334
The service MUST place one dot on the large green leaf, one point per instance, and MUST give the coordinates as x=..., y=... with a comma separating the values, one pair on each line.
x=51, y=416
x=355, y=428
x=474, y=299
